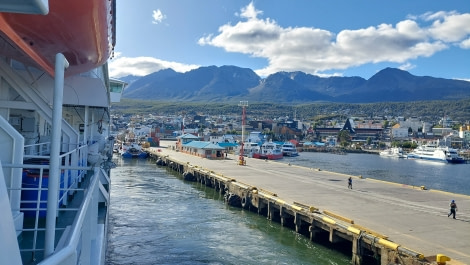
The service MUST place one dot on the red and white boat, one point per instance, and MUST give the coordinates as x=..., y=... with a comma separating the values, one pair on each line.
x=269, y=150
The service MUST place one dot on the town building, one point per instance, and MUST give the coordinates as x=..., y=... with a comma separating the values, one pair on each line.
x=190, y=144
x=357, y=134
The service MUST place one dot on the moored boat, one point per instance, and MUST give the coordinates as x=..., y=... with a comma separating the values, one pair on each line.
x=396, y=152
x=269, y=150
x=249, y=149
x=289, y=149
x=131, y=148
x=436, y=153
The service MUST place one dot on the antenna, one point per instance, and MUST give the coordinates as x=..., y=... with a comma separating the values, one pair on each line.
x=241, y=159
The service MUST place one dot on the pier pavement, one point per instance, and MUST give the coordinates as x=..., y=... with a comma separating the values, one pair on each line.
x=409, y=216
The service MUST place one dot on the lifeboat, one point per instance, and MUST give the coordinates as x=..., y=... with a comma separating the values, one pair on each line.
x=83, y=31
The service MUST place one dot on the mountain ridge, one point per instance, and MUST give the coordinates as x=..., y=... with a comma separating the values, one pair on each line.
x=232, y=83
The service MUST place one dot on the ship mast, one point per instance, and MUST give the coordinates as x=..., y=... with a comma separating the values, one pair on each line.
x=241, y=159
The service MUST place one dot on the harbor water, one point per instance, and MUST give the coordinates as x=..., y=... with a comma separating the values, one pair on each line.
x=157, y=218
x=453, y=178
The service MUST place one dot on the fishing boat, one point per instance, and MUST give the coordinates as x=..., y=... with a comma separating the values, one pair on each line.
x=54, y=130
x=131, y=148
x=436, y=153
x=269, y=150
x=289, y=149
x=396, y=152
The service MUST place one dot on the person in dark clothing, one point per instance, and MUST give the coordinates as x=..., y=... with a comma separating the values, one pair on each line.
x=453, y=209
x=350, y=183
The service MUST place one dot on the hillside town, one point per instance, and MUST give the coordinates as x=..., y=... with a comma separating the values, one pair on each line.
x=352, y=133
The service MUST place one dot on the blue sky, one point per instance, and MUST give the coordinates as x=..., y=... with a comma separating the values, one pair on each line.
x=325, y=38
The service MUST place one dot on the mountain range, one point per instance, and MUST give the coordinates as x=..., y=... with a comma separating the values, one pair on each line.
x=232, y=84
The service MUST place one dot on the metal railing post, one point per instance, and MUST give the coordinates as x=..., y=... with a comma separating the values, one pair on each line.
x=54, y=171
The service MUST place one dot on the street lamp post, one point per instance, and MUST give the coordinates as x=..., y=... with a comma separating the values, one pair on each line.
x=241, y=159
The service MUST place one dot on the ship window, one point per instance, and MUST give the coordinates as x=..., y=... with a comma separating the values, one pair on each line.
x=115, y=87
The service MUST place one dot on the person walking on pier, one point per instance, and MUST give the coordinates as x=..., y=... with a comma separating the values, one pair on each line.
x=350, y=183
x=453, y=209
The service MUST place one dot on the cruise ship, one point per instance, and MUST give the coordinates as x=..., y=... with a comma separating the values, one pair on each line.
x=55, y=95
x=436, y=153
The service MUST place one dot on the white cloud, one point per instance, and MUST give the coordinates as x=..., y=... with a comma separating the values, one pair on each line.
x=406, y=66
x=140, y=66
x=250, y=11
x=465, y=44
x=429, y=16
x=451, y=28
x=157, y=16
x=316, y=50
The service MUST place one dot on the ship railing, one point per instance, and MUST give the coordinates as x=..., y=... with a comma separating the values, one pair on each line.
x=34, y=190
x=38, y=149
x=71, y=170
x=84, y=242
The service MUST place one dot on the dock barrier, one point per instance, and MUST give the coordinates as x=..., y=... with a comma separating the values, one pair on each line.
x=304, y=219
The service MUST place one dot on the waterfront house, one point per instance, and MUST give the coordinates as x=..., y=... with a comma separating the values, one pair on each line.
x=204, y=149
x=229, y=147
x=184, y=139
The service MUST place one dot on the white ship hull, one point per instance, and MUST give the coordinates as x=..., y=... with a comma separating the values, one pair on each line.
x=437, y=154
x=393, y=152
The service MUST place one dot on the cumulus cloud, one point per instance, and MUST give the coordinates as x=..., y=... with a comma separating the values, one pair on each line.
x=140, y=66
x=451, y=27
x=157, y=16
x=315, y=50
x=465, y=44
x=250, y=11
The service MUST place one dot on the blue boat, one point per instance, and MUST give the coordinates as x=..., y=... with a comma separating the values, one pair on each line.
x=134, y=152
x=130, y=148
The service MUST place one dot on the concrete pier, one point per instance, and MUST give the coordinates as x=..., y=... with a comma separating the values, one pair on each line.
x=397, y=224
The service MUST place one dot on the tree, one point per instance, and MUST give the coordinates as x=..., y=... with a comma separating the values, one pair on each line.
x=369, y=140
x=409, y=145
x=344, y=137
x=396, y=144
x=456, y=126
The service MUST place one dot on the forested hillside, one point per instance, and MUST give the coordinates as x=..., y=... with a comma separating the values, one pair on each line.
x=458, y=110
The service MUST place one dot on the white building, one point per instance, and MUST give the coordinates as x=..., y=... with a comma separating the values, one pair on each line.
x=142, y=131
x=413, y=123
x=442, y=131
x=465, y=134
x=399, y=133
x=228, y=138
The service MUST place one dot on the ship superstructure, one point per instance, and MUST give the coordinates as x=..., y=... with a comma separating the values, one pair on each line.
x=55, y=95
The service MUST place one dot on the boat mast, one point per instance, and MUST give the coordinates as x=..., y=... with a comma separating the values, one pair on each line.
x=241, y=159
